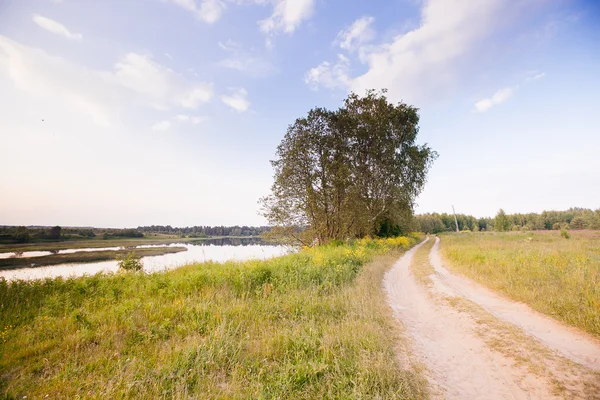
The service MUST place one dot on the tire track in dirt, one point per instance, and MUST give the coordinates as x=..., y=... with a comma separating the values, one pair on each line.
x=454, y=344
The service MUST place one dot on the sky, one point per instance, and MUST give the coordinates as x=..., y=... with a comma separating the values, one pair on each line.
x=140, y=112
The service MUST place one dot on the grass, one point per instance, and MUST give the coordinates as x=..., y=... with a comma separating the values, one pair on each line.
x=556, y=276
x=84, y=257
x=307, y=325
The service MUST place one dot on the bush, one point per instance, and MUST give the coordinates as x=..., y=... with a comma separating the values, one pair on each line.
x=130, y=262
x=564, y=233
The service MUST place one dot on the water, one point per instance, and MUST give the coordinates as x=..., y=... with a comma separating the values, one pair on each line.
x=219, y=250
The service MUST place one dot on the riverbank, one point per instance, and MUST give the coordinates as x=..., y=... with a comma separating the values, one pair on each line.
x=281, y=328
x=114, y=242
x=83, y=257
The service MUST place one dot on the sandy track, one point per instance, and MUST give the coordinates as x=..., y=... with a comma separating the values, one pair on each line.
x=459, y=360
x=569, y=342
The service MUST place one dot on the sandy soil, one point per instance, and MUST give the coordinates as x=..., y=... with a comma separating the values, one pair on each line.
x=475, y=344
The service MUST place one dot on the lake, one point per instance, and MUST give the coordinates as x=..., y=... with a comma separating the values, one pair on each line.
x=218, y=250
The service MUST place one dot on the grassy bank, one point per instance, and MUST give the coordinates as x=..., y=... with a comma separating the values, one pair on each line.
x=83, y=257
x=557, y=276
x=308, y=325
x=93, y=243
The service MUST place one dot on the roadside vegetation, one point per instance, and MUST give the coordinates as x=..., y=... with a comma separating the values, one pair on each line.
x=308, y=325
x=555, y=274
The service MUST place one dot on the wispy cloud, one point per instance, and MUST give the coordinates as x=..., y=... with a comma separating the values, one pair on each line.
x=425, y=62
x=208, y=11
x=536, y=77
x=287, y=15
x=330, y=76
x=499, y=97
x=358, y=33
x=57, y=28
x=237, y=99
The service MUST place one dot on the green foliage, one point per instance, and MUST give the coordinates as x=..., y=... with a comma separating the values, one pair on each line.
x=349, y=173
x=547, y=220
x=501, y=222
x=284, y=328
x=564, y=233
x=54, y=233
x=21, y=235
x=130, y=262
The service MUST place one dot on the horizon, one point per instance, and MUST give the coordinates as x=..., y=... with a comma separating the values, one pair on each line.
x=171, y=117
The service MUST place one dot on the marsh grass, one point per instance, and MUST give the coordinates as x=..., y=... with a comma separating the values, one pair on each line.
x=555, y=276
x=307, y=325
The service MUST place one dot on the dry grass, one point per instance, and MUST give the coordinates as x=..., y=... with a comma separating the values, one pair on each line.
x=556, y=276
x=307, y=325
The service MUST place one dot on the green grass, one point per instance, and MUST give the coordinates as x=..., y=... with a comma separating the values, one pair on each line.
x=84, y=257
x=556, y=276
x=308, y=325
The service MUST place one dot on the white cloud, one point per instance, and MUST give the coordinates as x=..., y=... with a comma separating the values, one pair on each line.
x=162, y=126
x=139, y=72
x=182, y=117
x=358, y=33
x=336, y=76
x=99, y=96
x=237, y=100
x=426, y=62
x=536, y=77
x=209, y=11
x=287, y=15
x=56, y=28
x=499, y=97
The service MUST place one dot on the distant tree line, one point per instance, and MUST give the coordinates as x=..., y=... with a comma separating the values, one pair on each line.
x=206, y=231
x=573, y=218
x=23, y=234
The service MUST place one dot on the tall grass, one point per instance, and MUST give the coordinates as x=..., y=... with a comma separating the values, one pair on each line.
x=307, y=325
x=554, y=275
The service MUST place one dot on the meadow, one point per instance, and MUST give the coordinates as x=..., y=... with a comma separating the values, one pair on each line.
x=554, y=274
x=313, y=324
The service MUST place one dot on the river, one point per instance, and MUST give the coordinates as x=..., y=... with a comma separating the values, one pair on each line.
x=207, y=250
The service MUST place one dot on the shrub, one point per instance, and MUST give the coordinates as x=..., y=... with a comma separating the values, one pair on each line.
x=564, y=233
x=130, y=262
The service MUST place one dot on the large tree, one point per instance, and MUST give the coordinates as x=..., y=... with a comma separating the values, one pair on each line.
x=349, y=173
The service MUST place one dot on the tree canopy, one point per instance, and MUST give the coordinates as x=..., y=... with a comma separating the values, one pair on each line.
x=351, y=172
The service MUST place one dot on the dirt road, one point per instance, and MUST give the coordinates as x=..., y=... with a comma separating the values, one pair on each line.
x=475, y=344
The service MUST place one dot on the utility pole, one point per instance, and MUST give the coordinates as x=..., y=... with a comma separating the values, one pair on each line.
x=455, y=221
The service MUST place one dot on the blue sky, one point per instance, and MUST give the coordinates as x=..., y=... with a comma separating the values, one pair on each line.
x=144, y=112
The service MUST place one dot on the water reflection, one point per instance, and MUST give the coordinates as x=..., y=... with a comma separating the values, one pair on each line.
x=218, y=250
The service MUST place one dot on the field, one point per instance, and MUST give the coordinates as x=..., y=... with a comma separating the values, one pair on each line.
x=307, y=325
x=554, y=275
